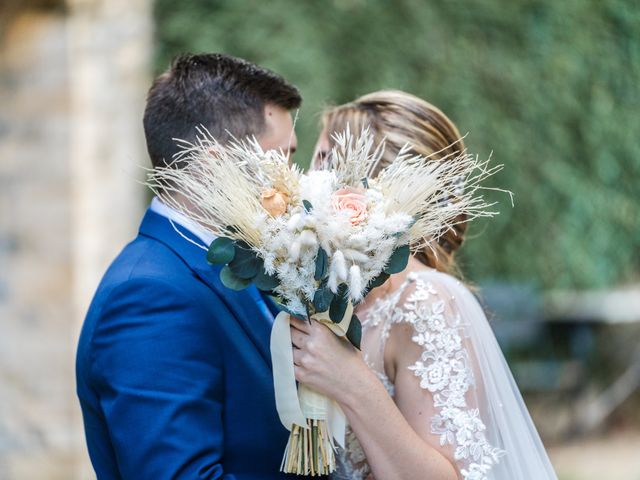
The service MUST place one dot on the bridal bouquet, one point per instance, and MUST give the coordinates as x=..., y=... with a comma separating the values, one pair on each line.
x=318, y=242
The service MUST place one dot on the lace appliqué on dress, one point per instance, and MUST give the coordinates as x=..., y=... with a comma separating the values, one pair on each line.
x=444, y=370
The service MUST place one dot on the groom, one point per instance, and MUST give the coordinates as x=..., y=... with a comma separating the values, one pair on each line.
x=173, y=369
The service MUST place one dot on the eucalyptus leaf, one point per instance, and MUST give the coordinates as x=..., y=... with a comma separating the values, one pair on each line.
x=221, y=251
x=307, y=205
x=322, y=264
x=339, y=304
x=231, y=280
x=246, y=264
x=284, y=308
x=354, y=333
x=398, y=261
x=265, y=282
x=378, y=281
x=322, y=298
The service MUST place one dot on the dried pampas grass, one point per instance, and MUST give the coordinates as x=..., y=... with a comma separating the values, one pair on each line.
x=437, y=192
x=220, y=187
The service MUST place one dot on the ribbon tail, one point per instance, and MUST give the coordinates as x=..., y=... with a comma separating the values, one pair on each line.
x=337, y=423
x=284, y=380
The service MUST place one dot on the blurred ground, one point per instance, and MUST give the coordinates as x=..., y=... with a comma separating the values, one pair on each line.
x=615, y=456
x=611, y=457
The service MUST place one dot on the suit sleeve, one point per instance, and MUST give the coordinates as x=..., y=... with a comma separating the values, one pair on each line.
x=159, y=370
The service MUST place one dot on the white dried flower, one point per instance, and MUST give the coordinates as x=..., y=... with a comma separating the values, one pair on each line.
x=308, y=238
x=310, y=222
x=356, y=256
x=294, y=250
x=339, y=265
x=355, y=283
x=294, y=222
x=332, y=282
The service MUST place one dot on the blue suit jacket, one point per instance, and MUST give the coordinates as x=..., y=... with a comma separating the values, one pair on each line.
x=173, y=369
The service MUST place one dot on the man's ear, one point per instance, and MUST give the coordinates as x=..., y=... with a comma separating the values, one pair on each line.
x=278, y=133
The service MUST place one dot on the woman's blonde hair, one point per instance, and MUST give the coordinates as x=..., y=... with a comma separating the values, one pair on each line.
x=401, y=119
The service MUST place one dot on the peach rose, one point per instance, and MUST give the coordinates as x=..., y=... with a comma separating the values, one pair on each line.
x=352, y=201
x=274, y=202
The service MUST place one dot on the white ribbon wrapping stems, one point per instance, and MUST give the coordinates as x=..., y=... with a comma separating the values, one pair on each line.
x=296, y=406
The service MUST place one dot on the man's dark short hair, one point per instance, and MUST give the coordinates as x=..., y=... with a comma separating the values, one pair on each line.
x=226, y=95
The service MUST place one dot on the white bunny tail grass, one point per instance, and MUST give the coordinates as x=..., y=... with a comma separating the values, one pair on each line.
x=437, y=193
x=220, y=187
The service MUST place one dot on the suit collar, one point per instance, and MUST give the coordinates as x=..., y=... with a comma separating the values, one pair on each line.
x=165, y=210
x=179, y=239
x=192, y=251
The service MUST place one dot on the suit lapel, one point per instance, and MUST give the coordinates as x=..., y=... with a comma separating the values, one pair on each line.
x=242, y=305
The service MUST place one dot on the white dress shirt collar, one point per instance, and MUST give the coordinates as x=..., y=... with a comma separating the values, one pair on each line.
x=176, y=217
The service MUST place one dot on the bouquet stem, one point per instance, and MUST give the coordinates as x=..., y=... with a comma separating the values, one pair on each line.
x=309, y=450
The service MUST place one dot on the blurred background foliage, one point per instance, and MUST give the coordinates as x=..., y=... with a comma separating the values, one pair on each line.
x=551, y=88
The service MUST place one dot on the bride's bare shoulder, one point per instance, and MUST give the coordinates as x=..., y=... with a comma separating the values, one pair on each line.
x=418, y=276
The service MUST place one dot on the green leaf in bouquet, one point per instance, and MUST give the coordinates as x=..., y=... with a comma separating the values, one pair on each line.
x=398, y=261
x=280, y=304
x=354, y=333
x=378, y=281
x=339, y=304
x=375, y=283
x=265, y=282
x=322, y=264
x=221, y=251
x=231, y=280
x=365, y=182
x=307, y=205
x=246, y=264
x=322, y=298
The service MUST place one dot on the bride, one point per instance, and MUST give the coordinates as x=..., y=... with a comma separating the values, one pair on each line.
x=430, y=396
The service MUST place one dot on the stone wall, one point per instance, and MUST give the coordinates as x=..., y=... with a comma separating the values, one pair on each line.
x=72, y=86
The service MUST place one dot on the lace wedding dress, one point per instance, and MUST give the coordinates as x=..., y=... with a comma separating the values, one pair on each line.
x=476, y=414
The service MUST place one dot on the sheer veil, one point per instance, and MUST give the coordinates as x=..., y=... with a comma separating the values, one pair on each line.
x=507, y=420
